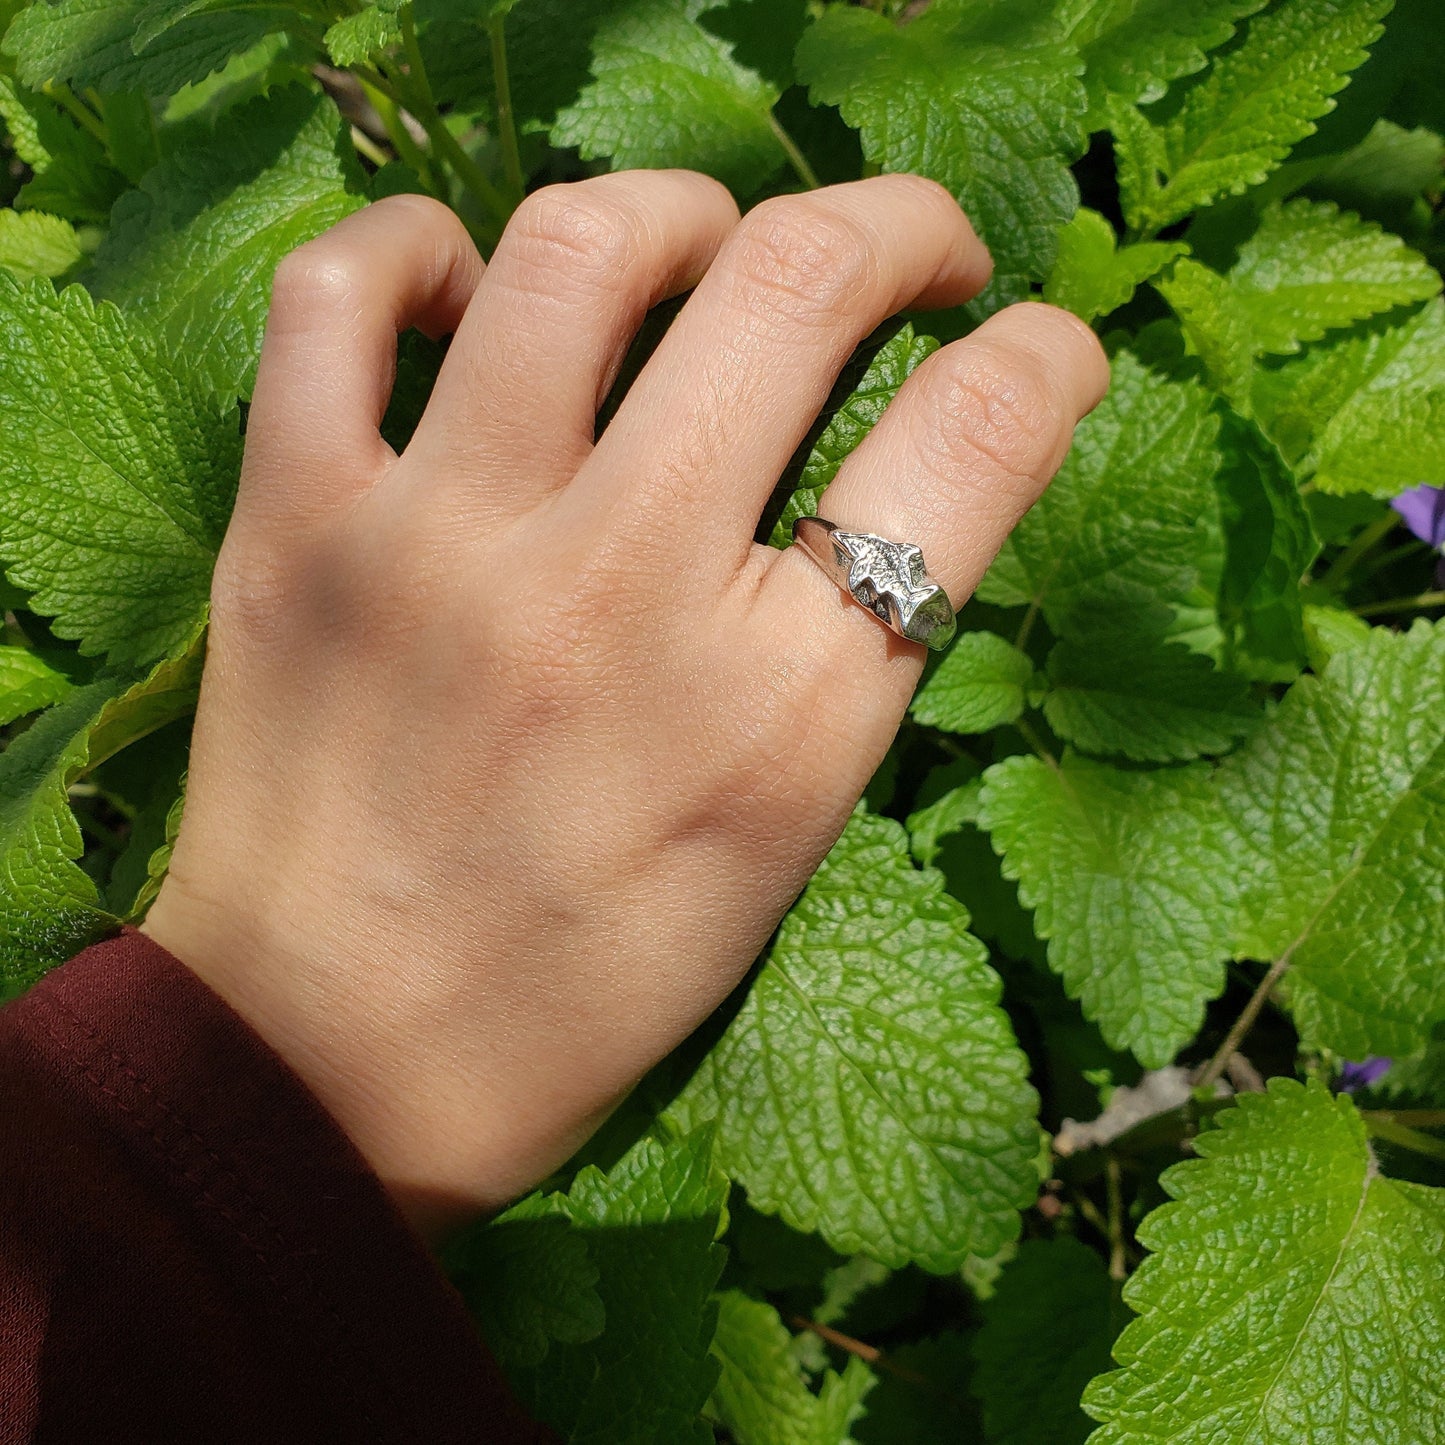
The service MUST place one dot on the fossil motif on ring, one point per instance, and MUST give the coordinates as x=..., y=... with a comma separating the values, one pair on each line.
x=888, y=578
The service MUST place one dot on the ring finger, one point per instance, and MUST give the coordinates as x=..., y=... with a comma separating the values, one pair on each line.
x=964, y=450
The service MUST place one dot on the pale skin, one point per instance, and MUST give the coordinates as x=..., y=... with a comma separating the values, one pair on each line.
x=512, y=750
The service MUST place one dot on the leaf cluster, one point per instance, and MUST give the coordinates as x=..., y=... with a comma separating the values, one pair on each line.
x=1056, y=1034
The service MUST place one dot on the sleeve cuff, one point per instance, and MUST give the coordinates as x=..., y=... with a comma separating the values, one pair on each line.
x=282, y=1207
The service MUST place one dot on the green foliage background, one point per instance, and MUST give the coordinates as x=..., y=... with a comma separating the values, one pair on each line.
x=1170, y=814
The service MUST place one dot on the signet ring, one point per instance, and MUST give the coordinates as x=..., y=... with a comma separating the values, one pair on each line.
x=887, y=578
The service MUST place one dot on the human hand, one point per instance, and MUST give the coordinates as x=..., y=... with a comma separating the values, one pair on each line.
x=513, y=750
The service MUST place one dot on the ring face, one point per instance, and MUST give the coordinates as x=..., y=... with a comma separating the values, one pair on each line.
x=888, y=578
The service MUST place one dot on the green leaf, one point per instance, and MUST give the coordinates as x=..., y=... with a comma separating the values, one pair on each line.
x=131, y=134
x=1330, y=1332
x=1311, y=268
x=893, y=363
x=27, y=683
x=1329, y=630
x=1133, y=48
x=49, y=908
x=1269, y=546
x=978, y=94
x=1384, y=174
x=1153, y=704
x=841, y=1098
x=549, y=54
x=926, y=1398
x=529, y=1278
x=981, y=683
x=357, y=39
x=274, y=61
x=98, y=42
x=33, y=245
x=21, y=111
x=1259, y=99
x=1046, y=1333
x=159, y=16
x=649, y=1225
x=1093, y=276
x=1130, y=880
x=1337, y=810
x=1139, y=159
x=957, y=808
x=1307, y=269
x=1117, y=541
x=72, y=176
x=1419, y=1079
x=973, y=874
x=1215, y=325
x=1365, y=413
x=191, y=253
x=761, y=1396
x=763, y=33
x=857, y=1286
x=135, y=901
x=667, y=93
x=116, y=479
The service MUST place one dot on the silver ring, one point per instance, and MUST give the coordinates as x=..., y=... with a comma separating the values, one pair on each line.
x=888, y=578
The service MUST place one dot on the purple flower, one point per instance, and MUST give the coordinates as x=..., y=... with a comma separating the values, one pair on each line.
x=1354, y=1077
x=1423, y=511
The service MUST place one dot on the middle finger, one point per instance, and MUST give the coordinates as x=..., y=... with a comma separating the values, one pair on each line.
x=731, y=391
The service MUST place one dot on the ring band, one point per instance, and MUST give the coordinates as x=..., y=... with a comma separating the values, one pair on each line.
x=888, y=578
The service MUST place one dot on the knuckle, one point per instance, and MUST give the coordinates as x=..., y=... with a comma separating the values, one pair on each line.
x=571, y=225
x=989, y=414
x=1066, y=349
x=804, y=257
x=252, y=588
x=419, y=211
x=338, y=584
x=929, y=190
x=318, y=279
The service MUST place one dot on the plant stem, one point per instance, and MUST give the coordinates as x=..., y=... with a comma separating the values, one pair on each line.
x=1412, y=1139
x=368, y=147
x=1027, y=625
x=1118, y=1267
x=384, y=99
x=1031, y=737
x=1345, y=563
x=1242, y=1025
x=949, y=745
x=418, y=100
x=869, y=1354
x=1167, y=1129
x=1417, y=1118
x=1401, y=604
x=1395, y=554
x=506, y=121
x=1091, y=1213
x=796, y=158
x=66, y=99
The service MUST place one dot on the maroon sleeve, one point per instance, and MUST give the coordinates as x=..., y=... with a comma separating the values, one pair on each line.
x=192, y=1250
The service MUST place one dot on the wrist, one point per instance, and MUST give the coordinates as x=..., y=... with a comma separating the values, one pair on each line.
x=377, y=1065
